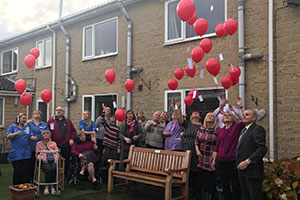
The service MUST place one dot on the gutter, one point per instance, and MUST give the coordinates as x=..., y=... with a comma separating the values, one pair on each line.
x=53, y=70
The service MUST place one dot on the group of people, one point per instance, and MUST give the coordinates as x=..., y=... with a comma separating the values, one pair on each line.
x=228, y=144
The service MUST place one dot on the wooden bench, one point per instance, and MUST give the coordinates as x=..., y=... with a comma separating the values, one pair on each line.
x=155, y=167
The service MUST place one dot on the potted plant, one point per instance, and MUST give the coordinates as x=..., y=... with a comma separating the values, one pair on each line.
x=4, y=147
x=24, y=191
x=282, y=179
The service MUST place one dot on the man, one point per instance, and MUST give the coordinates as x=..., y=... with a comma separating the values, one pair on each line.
x=250, y=152
x=154, y=132
x=62, y=132
x=101, y=130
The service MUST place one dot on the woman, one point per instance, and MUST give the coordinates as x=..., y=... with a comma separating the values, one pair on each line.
x=87, y=126
x=49, y=160
x=205, y=145
x=142, y=119
x=85, y=150
x=36, y=127
x=227, y=142
x=130, y=133
x=188, y=138
x=20, y=150
x=173, y=141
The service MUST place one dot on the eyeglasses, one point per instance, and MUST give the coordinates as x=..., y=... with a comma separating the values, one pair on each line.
x=227, y=115
x=59, y=110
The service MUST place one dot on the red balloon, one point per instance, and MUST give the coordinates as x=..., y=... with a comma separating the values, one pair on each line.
x=192, y=92
x=213, y=66
x=188, y=100
x=235, y=72
x=35, y=52
x=190, y=72
x=29, y=61
x=172, y=84
x=46, y=95
x=219, y=30
x=206, y=45
x=20, y=86
x=26, y=99
x=200, y=26
x=197, y=54
x=192, y=19
x=120, y=115
x=110, y=75
x=230, y=26
x=234, y=80
x=179, y=73
x=186, y=9
x=129, y=85
x=226, y=82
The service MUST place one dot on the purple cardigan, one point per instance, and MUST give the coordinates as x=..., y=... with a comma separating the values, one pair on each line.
x=227, y=141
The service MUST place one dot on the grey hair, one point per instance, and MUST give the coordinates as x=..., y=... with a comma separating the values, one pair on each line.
x=254, y=112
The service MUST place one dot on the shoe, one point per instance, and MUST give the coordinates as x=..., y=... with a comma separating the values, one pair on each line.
x=95, y=183
x=81, y=177
x=46, y=191
x=53, y=192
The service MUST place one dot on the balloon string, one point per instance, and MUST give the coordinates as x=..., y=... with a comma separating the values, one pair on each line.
x=219, y=45
x=231, y=51
x=189, y=44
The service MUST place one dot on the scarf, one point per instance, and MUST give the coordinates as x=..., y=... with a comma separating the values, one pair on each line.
x=131, y=126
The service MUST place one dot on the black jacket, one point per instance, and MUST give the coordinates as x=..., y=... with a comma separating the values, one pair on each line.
x=252, y=146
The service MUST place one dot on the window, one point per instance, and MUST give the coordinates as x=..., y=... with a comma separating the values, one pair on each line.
x=9, y=61
x=93, y=103
x=209, y=104
x=100, y=39
x=177, y=30
x=44, y=108
x=2, y=112
x=45, y=58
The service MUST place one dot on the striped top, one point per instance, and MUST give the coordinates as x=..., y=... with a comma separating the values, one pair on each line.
x=111, y=134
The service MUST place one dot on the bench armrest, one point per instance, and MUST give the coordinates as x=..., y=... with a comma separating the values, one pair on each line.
x=171, y=171
x=118, y=161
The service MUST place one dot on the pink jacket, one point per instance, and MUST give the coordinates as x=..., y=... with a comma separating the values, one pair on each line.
x=40, y=146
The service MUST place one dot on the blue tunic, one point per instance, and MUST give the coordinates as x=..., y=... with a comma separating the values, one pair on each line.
x=20, y=144
x=84, y=125
x=36, y=131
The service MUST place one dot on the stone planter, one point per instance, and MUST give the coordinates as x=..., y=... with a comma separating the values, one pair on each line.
x=22, y=194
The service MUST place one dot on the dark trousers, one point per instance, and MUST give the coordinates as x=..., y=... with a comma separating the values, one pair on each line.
x=21, y=171
x=66, y=153
x=229, y=180
x=100, y=149
x=207, y=182
x=194, y=191
x=50, y=172
x=153, y=147
x=32, y=166
x=251, y=188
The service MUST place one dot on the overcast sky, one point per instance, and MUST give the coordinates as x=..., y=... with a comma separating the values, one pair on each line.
x=22, y=15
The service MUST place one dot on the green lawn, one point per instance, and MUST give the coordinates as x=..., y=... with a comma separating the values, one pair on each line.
x=70, y=191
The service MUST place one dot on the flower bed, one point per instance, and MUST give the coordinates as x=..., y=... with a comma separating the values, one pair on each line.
x=24, y=191
x=282, y=179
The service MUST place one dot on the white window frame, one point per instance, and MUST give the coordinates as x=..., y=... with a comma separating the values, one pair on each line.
x=183, y=37
x=183, y=95
x=39, y=100
x=93, y=102
x=3, y=115
x=13, y=71
x=42, y=53
x=94, y=39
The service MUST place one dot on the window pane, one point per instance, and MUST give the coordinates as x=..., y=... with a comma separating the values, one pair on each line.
x=87, y=104
x=48, y=52
x=43, y=108
x=209, y=104
x=88, y=42
x=174, y=23
x=1, y=112
x=106, y=38
x=40, y=46
x=173, y=97
x=213, y=18
x=7, y=65
x=15, y=59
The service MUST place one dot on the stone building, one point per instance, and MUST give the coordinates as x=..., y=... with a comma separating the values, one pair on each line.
x=96, y=39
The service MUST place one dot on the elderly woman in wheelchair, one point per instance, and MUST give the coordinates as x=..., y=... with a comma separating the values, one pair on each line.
x=85, y=150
